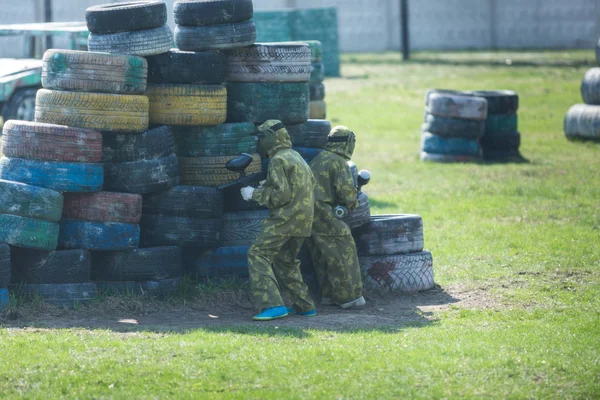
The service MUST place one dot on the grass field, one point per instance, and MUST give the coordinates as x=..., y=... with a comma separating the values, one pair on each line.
x=523, y=239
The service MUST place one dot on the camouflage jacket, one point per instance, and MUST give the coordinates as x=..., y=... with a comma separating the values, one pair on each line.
x=334, y=187
x=288, y=191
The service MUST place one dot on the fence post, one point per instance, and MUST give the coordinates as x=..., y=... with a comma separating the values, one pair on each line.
x=404, y=29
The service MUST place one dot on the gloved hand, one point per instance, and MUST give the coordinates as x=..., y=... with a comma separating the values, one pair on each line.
x=247, y=192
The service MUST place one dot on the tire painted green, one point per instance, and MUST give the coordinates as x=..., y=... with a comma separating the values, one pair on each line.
x=501, y=125
x=30, y=201
x=219, y=140
x=28, y=233
x=318, y=73
x=450, y=146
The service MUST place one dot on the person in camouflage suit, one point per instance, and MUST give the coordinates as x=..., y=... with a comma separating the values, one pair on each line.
x=331, y=244
x=272, y=259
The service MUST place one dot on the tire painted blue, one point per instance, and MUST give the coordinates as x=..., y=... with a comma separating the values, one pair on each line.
x=224, y=262
x=161, y=288
x=308, y=153
x=455, y=146
x=61, y=295
x=62, y=177
x=4, y=299
x=98, y=236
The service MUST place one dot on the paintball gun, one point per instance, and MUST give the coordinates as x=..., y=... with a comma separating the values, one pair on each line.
x=364, y=177
x=239, y=165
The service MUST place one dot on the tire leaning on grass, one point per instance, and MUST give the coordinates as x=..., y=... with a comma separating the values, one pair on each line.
x=62, y=177
x=144, y=176
x=145, y=42
x=590, y=86
x=213, y=12
x=28, y=233
x=187, y=104
x=149, y=264
x=583, y=122
x=60, y=295
x=29, y=201
x=94, y=72
x=457, y=106
x=215, y=37
x=104, y=206
x=187, y=67
x=402, y=272
x=127, y=16
x=48, y=142
x=98, y=236
x=5, y=266
x=99, y=111
x=60, y=267
x=125, y=147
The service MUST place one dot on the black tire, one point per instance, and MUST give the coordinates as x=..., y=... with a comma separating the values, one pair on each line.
x=590, y=86
x=163, y=288
x=317, y=91
x=82, y=71
x=501, y=142
x=141, y=177
x=269, y=62
x=219, y=140
x=186, y=67
x=404, y=272
x=317, y=73
x=135, y=43
x=222, y=263
x=453, y=127
x=149, y=264
x=186, y=201
x=211, y=12
x=167, y=230
x=389, y=235
x=361, y=215
x=499, y=101
x=30, y=201
x=125, y=147
x=316, y=50
x=59, y=267
x=503, y=156
x=60, y=295
x=215, y=37
x=583, y=122
x=98, y=236
x=233, y=201
x=21, y=105
x=128, y=16
x=258, y=102
x=5, y=266
x=308, y=153
x=242, y=228
x=312, y=133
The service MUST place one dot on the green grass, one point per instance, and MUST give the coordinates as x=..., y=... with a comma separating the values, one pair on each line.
x=528, y=235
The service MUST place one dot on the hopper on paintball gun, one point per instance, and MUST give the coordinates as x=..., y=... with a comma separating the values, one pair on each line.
x=364, y=177
x=239, y=165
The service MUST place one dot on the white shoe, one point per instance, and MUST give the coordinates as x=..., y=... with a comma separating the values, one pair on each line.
x=326, y=301
x=354, y=303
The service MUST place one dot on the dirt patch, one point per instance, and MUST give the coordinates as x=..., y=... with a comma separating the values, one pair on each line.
x=381, y=312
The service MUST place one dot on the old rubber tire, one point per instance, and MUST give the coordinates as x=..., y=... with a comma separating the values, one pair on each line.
x=47, y=142
x=317, y=73
x=162, y=288
x=448, y=158
x=453, y=127
x=168, y=230
x=62, y=177
x=5, y=266
x=61, y=295
x=501, y=142
x=144, y=176
x=100, y=111
x=403, y=273
x=146, y=42
x=590, y=86
x=21, y=105
x=127, y=16
x=429, y=92
x=4, y=298
x=222, y=263
x=242, y=228
x=125, y=147
x=360, y=215
x=186, y=67
x=28, y=233
x=104, y=206
x=501, y=125
x=258, y=102
x=317, y=91
x=186, y=201
x=318, y=109
x=316, y=50
x=269, y=62
x=98, y=236
x=583, y=122
x=211, y=171
x=307, y=153
x=219, y=140
x=390, y=234
x=499, y=101
x=312, y=133
x=455, y=106
x=211, y=12
x=82, y=71
x=29, y=201
x=215, y=37
x=233, y=201
x=450, y=145
x=187, y=104
x=60, y=267
x=149, y=264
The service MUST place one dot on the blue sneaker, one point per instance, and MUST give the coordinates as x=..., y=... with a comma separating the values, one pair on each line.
x=310, y=313
x=271, y=313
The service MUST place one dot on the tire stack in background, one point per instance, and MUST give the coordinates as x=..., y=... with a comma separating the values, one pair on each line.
x=582, y=121
x=391, y=255
x=454, y=123
x=318, y=108
x=501, y=140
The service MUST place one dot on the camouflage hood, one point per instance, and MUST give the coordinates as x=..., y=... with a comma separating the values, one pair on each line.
x=341, y=142
x=270, y=140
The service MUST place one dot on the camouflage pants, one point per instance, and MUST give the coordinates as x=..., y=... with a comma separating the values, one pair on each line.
x=336, y=266
x=273, y=265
